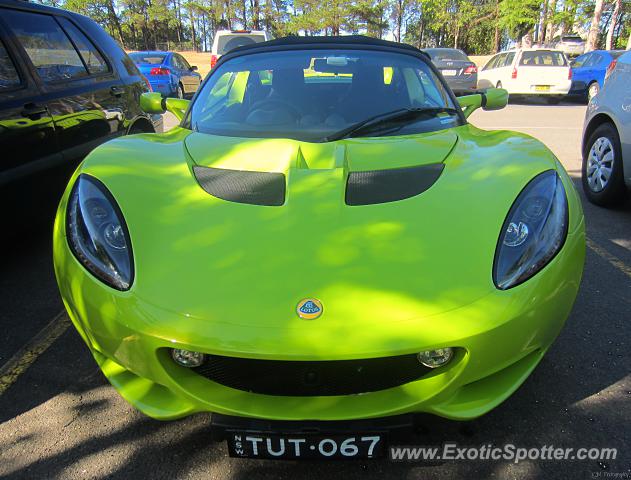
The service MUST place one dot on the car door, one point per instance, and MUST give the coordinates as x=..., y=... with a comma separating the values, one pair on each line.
x=499, y=73
x=590, y=66
x=505, y=68
x=27, y=132
x=486, y=77
x=81, y=91
x=189, y=78
x=579, y=72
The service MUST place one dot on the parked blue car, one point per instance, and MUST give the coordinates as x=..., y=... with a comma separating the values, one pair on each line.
x=168, y=73
x=588, y=71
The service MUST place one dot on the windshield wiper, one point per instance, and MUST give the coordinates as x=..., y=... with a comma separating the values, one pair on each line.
x=400, y=116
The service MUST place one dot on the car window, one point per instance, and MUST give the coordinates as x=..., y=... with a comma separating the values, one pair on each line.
x=148, y=58
x=593, y=60
x=91, y=56
x=491, y=63
x=508, y=61
x=446, y=54
x=310, y=94
x=616, y=53
x=500, y=60
x=183, y=63
x=46, y=44
x=228, y=42
x=542, y=58
x=9, y=77
x=580, y=61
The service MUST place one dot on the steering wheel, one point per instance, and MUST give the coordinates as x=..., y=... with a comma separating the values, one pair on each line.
x=273, y=104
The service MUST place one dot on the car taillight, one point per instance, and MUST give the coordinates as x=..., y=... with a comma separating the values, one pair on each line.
x=159, y=71
x=470, y=70
x=569, y=74
x=514, y=74
x=213, y=61
x=147, y=82
x=610, y=69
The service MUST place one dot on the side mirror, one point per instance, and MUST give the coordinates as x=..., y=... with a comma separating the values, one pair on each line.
x=154, y=102
x=193, y=68
x=490, y=99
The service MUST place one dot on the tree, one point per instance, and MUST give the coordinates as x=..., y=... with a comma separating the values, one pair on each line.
x=594, y=29
x=615, y=17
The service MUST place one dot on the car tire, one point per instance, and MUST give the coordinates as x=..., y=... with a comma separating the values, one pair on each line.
x=592, y=90
x=602, y=176
x=179, y=91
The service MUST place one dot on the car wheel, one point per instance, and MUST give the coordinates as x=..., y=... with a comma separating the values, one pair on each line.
x=602, y=175
x=592, y=90
x=179, y=91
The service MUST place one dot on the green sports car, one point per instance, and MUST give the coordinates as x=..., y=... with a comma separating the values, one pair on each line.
x=323, y=247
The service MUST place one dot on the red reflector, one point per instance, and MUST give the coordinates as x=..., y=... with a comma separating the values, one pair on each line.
x=471, y=69
x=610, y=68
x=514, y=74
x=159, y=71
x=213, y=60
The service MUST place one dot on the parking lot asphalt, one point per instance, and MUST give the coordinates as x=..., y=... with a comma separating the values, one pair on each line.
x=59, y=418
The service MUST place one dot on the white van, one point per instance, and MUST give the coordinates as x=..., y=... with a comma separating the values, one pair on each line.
x=226, y=40
x=529, y=71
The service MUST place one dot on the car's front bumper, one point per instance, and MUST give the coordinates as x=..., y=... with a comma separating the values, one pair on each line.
x=502, y=337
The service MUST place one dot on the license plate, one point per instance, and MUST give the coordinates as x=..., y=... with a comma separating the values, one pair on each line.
x=449, y=73
x=292, y=447
x=542, y=88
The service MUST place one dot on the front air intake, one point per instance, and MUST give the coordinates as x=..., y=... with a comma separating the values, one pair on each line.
x=382, y=186
x=241, y=186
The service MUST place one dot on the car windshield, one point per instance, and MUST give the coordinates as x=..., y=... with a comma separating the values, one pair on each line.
x=543, y=59
x=311, y=95
x=150, y=58
x=230, y=41
x=446, y=54
x=572, y=38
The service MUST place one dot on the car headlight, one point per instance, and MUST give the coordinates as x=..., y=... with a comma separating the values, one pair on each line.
x=97, y=233
x=534, y=231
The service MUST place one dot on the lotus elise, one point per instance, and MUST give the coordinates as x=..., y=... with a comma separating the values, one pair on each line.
x=322, y=249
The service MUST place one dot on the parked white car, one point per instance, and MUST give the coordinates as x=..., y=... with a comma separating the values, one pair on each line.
x=529, y=71
x=571, y=45
x=607, y=138
x=226, y=40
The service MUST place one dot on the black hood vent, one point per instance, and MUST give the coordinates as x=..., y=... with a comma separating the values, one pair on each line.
x=241, y=186
x=382, y=186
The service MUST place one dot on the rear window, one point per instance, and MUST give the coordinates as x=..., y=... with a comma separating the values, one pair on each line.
x=543, y=59
x=446, y=55
x=229, y=42
x=572, y=38
x=150, y=58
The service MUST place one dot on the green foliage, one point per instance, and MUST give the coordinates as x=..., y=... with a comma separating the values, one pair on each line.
x=471, y=25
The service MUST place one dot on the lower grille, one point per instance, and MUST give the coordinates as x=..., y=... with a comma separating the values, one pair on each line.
x=312, y=378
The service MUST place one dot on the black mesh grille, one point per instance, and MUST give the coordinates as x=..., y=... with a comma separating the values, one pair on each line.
x=256, y=188
x=381, y=186
x=312, y=378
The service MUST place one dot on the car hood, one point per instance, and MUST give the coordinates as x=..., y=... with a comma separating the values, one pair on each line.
x=225, y=262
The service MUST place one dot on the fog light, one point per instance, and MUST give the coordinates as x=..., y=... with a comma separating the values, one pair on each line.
x=436, y=358
x=186, y=358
